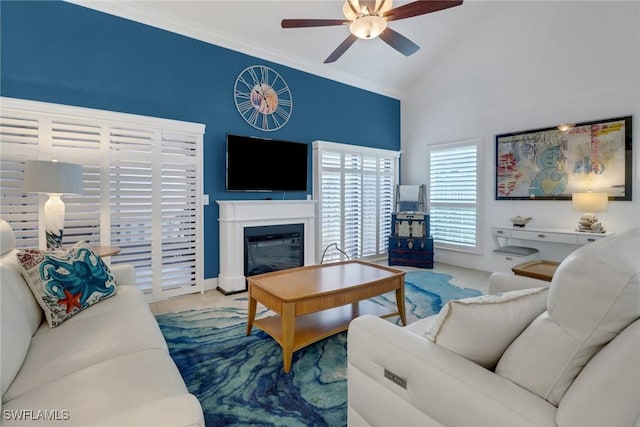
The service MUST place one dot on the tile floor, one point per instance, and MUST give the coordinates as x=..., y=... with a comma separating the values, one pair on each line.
x=463, y=277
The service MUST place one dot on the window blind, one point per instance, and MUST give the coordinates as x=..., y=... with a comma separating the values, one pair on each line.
x=453, y=195
x=141, y=187
x=355, y=188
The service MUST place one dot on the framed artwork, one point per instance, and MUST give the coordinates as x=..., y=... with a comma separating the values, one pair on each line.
x=550, y=164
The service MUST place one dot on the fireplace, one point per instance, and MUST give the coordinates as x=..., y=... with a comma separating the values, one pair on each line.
x=238, y=215
x=272, y=248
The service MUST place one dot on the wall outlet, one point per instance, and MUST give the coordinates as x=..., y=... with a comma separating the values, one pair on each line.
x=205, y=199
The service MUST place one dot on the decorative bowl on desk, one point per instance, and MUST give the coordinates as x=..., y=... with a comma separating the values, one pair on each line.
x=520, y=221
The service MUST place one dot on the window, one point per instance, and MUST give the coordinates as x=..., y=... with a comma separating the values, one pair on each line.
x=354, y=186
x=453, y=195
x=141, y=187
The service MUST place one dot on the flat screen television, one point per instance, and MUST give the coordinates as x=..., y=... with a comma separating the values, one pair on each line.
x=260, y=164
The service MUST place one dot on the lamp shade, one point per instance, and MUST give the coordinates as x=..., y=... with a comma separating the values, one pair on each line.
x=52, y=177
x=590, y=202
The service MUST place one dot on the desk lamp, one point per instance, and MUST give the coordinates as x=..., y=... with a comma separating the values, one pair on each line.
x=55, y=179
x=590, y=202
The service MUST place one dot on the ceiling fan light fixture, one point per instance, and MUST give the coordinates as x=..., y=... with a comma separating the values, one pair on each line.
x=350, y=10
x=368, y=26
x=383, y=6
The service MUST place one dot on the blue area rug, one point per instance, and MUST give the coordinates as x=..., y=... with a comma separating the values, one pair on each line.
x=239, y=380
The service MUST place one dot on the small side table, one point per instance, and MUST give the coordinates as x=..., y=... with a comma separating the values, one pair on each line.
x=105, y=251
x=542, y=270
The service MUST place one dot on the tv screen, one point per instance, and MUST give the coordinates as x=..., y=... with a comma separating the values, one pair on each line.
x=260, y=164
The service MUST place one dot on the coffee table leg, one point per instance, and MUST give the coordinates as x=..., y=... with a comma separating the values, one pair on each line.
x=252, y=314
x=400, y=304
x=288, y=334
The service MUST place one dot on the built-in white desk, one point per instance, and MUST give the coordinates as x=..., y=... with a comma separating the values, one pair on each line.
x=512, y=244
x=551, y=235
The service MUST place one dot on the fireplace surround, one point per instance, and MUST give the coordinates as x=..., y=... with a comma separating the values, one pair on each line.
x=236, y=215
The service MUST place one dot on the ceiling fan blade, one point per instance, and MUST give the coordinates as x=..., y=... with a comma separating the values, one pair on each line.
x=346, y=44
x=399, y=42
x=420, y=7
x=303, y=23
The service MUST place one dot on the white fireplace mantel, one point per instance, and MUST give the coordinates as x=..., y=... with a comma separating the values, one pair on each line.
x=235, y=215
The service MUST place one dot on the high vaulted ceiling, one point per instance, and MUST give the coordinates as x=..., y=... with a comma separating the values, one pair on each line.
x=253, y=27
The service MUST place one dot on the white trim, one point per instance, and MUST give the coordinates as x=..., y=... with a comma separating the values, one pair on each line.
x=139, y=12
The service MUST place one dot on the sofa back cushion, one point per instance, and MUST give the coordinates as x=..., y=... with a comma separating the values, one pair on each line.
x=20, y=316
x=607, y=391
x=594, y=295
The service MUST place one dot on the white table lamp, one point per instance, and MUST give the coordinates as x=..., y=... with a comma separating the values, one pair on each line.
x=55, y=179
x=589, y=203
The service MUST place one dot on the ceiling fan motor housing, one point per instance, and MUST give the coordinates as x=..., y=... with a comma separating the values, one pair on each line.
x=368, y=26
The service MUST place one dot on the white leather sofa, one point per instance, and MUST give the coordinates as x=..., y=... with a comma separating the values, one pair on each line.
x=576, y=362
x=106, y=366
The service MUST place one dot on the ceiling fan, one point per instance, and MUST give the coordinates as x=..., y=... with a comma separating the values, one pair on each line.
x=368, y=19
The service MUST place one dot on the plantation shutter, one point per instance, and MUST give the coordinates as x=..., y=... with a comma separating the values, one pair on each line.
x=18, y=142
x=142, y=183
x=453, y=195
x=354, y=186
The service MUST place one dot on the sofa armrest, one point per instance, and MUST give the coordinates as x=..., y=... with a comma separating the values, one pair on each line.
x=447, y=388
x=506, y=282
x=124, y=274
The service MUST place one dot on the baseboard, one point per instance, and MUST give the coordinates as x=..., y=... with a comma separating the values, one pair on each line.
x=210, y=284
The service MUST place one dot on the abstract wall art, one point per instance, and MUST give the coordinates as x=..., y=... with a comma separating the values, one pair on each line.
x=550, y=164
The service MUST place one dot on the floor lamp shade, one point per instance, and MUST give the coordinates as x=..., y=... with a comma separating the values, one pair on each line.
x=55, y=179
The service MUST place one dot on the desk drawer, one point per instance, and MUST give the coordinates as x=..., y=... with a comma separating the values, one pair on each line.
x=544, y=236
x=501, y=232
x=589, y=238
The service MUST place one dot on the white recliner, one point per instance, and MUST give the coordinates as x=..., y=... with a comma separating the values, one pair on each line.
x=568, y=355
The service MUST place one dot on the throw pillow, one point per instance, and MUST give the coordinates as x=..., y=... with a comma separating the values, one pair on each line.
x=481, y=328
x=66, y=282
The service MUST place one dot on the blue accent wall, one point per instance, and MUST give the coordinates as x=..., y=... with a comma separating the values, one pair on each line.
x=63, y=53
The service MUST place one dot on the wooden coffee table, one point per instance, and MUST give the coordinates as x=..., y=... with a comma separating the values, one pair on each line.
x=317, y=301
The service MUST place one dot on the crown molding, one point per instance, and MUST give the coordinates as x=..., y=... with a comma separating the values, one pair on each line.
x=138, y=12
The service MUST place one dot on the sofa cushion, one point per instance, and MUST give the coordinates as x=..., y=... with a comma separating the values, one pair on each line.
x=120, y=325
x=481, y=328
x=594, y=294
x=118, y=384
x=66, y=282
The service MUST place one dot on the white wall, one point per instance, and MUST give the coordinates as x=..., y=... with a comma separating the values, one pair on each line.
x=527, y=65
